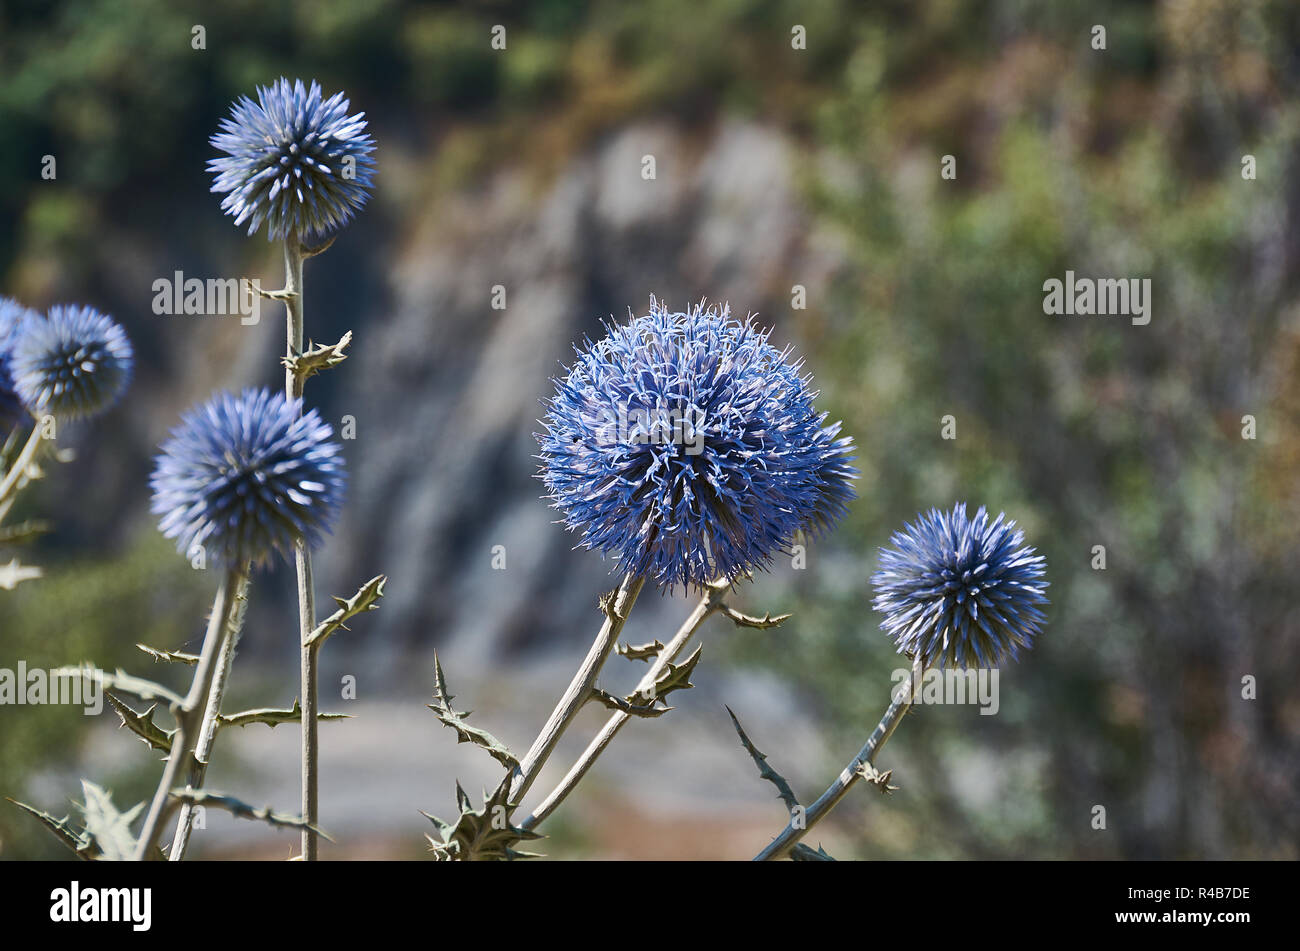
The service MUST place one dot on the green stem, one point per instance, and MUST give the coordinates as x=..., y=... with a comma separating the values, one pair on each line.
x=13, y=479
x=710, y=602
x=211, y=719
x=579, y=689
x=794, y=831
x=293, y=387
x=189, y=714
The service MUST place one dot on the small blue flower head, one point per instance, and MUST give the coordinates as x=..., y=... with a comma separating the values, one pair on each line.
x=13, y=316
x=243, y=476
x=72, y=364
x=687, y=447
x=960, y=592
x=293, y=160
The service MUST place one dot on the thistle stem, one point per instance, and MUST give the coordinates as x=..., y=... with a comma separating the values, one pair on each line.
x=191, y=711
x=293, y=387
x=898, y=707
x=211, y=719
x=579, y=690
x=14, y=477
x=10, y=445
x=710, y=602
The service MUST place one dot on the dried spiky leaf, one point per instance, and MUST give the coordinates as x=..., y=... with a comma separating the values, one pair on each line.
x=640, y=651
x=23, y=532
x=874, y=776
x=242, y=810
x=122, y=682
x=108, y=826
x=764, y=623
x=15, y=573
x=484, y=834
x=806, y=853
x=677, y=676
x=78, y=840
x=465, y=733
x=765, y=770
x=366, y=599
x=649, y=710
x=272, y=716
x=318, y=357
x=141, y=724
x=645, y=701
x=169, y=657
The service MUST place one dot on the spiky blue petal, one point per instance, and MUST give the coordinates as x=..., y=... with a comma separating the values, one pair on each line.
x=71, y=364
x=244, y=476
x=687, y=447
x=13, y=316
x=960, y=592
x=294, y=161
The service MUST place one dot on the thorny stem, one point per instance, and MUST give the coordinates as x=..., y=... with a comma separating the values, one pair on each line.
x=7, y=451
x=710, y=602
x=293, y=386
x=191, y=711
x=211, y=719
x=579, y=691
x=898, y=707
x=18, y=471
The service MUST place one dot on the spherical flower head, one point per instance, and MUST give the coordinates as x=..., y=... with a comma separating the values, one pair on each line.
x=244, y=476
x=13, y=316
x=687, y=447
x=960, y=592
x=294, y=161
x=72, y=364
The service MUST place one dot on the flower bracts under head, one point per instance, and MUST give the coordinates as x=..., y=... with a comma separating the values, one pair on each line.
x=960, y=592
x=294, y=161
x=688, y=447
x=243, y=476
x=73, y=363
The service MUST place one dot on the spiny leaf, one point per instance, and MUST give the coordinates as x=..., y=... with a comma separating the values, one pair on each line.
x=805, y=853
x=78, y=840
x=605, y=603
x=23, y=532
x=465, y=733
x=762, y=623
x=273, y=717
x=107, y=825
x=318, y=357
x=677, y=676
x=242, y=810
x=640, y=651
x=672, y=677
x=141, y=724
x=481, y=834
x=15, y=573
x=765, y=770
x=366, y=599
x=874, y=776
x=122, y=682
x=651, y=709
x=169, y=657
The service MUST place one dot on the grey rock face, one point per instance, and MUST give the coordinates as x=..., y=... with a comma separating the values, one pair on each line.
x=446, y=389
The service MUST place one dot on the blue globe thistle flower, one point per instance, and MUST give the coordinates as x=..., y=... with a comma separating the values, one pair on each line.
x=72, y=364
x=294, y=161
x=243, y=476
x=687, y=447
x=960, y=592
x=13, y=316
